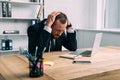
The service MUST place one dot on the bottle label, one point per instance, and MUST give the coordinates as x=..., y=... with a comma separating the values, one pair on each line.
x=3, y=44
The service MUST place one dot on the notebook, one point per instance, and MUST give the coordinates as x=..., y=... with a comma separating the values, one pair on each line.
x=85, y=53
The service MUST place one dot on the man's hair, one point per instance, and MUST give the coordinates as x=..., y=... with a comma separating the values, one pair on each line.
x=62, y=17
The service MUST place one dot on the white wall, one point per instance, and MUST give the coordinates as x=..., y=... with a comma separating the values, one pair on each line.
x=85, y=38
x=82, y=13
x=112, y=14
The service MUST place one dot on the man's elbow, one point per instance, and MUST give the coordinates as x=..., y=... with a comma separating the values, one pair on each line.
x=73, y=49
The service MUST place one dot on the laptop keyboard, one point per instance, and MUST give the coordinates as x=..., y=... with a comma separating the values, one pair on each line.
x=78, y=52
x=86, y=53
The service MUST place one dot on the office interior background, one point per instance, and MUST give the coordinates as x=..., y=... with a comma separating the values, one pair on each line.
x=88, y=17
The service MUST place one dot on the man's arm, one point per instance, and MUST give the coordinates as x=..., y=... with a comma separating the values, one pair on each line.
x=32, y=39
x=70, y=41
x=38, y=35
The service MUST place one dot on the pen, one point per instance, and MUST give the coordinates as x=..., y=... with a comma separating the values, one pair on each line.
x=44, y=50
x=40, y=56
x=35, y=52
x=75, y=62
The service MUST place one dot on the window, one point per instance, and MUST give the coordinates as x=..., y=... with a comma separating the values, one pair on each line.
x=108, y=14
x=112, y=14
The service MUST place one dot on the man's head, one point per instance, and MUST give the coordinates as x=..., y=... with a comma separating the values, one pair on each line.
x=59, y=25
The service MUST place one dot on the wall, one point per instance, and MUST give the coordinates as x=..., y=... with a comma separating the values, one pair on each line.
x=85, y=38
x=112, y=14
x=82, y=13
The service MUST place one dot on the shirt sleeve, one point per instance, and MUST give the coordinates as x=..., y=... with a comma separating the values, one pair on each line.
x=48, y=29
x=71, y=30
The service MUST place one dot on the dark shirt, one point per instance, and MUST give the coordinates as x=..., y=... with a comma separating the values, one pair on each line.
x=37, y=36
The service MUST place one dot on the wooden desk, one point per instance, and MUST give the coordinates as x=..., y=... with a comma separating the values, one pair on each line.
x=105, y=66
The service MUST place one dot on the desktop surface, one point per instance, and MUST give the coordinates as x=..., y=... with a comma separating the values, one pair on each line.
x=105, y=65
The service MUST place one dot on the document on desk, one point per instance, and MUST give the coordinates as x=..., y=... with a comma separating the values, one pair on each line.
x=73, y=55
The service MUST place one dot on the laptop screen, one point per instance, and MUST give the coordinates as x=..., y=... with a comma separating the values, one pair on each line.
x=97, y=42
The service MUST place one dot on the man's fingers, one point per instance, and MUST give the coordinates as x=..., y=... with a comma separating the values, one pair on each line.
x=55, y=13
x=51, y=17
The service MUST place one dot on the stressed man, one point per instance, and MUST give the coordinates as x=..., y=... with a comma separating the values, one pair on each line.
x=51, y=34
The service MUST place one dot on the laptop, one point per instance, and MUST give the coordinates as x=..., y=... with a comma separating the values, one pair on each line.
x=85, y=53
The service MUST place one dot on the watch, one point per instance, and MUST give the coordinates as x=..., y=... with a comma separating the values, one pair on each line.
x=70, y=25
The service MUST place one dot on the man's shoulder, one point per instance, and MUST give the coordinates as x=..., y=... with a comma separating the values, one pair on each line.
x=38, y=26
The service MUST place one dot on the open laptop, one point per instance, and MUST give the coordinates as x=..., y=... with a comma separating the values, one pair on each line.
x=85, y=53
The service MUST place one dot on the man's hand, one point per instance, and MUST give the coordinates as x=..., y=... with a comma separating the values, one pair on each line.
x=51, y=18
x=68, y=22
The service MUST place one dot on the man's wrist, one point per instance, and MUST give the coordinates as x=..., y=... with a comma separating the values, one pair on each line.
x=70, y=30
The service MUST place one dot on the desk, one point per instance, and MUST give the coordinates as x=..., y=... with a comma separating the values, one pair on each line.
x=105, y=66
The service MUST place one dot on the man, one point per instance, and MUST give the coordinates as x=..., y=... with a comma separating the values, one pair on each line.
x=50, y=34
